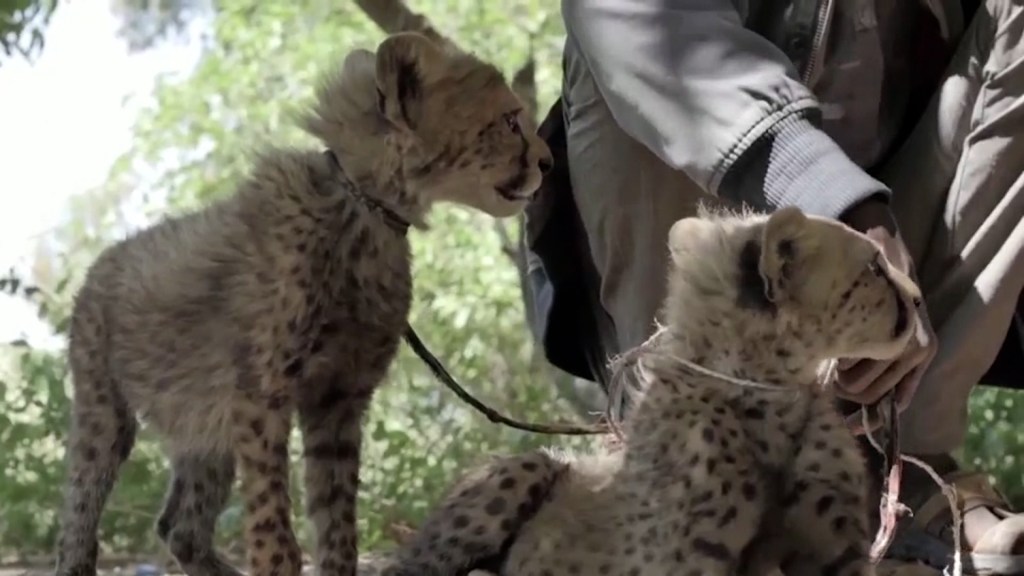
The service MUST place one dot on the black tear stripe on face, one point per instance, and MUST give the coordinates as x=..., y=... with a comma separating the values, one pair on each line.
x=524, y=163
x=516, y=182
x=752, y=292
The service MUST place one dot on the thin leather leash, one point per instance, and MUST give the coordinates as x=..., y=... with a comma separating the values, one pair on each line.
x=401, y=226
x=438, y=369
x=394, y=220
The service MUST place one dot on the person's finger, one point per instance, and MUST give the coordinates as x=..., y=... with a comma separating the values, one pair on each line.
x=847, y=363
x=906, y=389
x=855, y=422
x=889, y=379
x=852, y=383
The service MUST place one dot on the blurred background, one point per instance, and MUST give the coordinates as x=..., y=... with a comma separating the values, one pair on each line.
x=114, y=113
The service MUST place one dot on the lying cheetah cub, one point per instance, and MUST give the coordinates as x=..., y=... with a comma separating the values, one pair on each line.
x=290, y=295
x=712, y=469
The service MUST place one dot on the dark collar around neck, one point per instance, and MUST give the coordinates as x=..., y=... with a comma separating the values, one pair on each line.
x=394, y=221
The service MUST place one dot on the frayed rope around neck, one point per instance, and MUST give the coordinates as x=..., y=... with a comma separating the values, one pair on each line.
x=628, y=370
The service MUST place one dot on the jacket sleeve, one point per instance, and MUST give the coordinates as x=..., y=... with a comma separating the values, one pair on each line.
x=715, y=100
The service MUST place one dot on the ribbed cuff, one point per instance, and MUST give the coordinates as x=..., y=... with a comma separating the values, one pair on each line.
x=797, y=164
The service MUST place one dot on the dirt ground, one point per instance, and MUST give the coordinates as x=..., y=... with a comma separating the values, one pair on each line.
x=885, y=568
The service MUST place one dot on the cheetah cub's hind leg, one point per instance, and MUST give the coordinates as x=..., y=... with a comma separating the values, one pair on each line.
x=101, y=438
x=332, y=436
x=481, y=513
x=200, y=488
x=724, y=507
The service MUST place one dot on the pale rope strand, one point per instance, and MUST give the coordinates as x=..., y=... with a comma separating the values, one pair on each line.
x=830, y=374
x=630, y=363
x=621, y=368
x=948, y=491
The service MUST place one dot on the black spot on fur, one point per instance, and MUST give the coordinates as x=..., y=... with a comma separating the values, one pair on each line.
x=714, y=550
x=727, y=517
x=825, y=504
x=753, y=414
x=518, y=180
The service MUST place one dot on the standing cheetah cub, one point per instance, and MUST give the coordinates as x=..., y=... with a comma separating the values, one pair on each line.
x=735, y=459
x=290, y=295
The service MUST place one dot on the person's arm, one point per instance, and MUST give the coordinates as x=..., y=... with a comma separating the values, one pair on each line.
x=715, y=100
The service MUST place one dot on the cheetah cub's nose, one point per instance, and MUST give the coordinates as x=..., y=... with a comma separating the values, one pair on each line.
x=545, y=163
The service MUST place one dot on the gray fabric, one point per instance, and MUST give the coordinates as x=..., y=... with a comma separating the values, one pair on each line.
x=713, y=91
x=958, y=195
x=796, y=164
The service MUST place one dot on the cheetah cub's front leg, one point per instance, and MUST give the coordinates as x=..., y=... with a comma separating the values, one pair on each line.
x=261, y=424
x=332, y=437
x=481, y=513
x=825, y=508
x=722, y=505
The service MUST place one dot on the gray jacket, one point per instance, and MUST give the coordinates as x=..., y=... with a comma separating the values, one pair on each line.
x=769, y=102
x=744, y=97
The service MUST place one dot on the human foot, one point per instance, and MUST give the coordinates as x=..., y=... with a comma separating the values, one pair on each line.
x=992, y=535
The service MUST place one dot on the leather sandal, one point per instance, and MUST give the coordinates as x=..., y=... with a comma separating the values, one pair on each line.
x=927, y=536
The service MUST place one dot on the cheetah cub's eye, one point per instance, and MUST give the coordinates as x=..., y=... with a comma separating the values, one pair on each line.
x=512, y=121
x=876, y=265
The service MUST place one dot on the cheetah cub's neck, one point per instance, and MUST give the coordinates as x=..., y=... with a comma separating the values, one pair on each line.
x=714, y=343
x=384, y=166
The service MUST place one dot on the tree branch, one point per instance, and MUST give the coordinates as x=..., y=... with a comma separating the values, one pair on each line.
x=394, y=16
x=524, y=84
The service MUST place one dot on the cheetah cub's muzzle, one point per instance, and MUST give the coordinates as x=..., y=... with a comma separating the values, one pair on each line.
x=824, y=273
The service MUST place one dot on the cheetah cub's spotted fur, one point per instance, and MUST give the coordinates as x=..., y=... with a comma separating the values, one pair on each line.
x=714, y=478
x=290, y=295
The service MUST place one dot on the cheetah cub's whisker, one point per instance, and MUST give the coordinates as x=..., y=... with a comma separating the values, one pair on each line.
x=291, y=295
x=714, y=478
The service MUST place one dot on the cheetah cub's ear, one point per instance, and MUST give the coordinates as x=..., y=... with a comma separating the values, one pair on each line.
x=787, y=241
x=405, y=61
x=691, y=236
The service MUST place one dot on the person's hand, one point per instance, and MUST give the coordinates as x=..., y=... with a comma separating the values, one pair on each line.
x=867, y=381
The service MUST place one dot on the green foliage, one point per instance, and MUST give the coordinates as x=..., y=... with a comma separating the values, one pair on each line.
x=995, y=439
x=144, y=23
x=22, y=26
